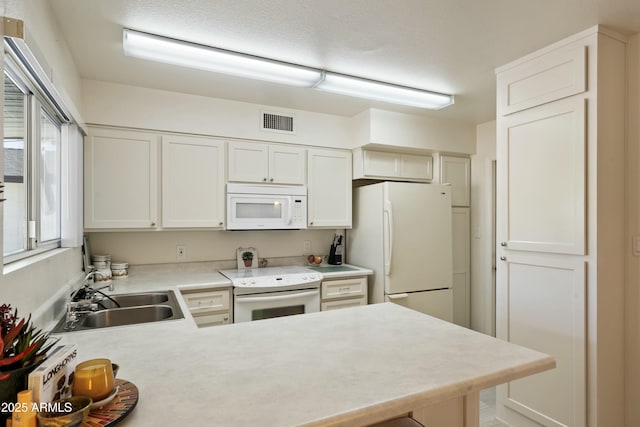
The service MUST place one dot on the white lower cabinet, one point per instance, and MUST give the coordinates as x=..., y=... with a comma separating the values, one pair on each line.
x=343, y=293
x=209, y=306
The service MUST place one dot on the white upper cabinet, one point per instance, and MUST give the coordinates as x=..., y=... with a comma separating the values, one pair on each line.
x=329, y=188
x=547, y=78
x=456, y=171
x=388, y=165
x=120, y=179
x=266, y=163
x=193, y=182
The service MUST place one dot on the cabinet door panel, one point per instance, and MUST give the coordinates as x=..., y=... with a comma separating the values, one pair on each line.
x=121, y=179
x=192, y=182
x=248, y=162
x=329, y=188
x=541, y=304
x=457, y=172
x=460, y=221
x=542, y=164
x=543, y=79
x=380, y=163
x=287, y=165
x=416, y=167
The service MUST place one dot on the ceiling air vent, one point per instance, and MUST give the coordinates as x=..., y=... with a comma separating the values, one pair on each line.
x=275, y=122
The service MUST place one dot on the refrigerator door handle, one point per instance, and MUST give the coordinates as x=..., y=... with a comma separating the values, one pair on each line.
x=398, y=296
x=388, y=210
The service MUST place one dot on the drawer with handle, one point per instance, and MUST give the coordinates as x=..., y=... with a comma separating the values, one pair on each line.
x=207, y=301
x=344, y=288
x=203, y=320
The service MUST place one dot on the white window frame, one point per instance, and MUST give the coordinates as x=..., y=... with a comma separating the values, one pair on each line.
x=35, y=102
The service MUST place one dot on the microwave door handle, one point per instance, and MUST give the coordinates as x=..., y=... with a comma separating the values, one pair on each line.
x=287, y=220
x=277, y=297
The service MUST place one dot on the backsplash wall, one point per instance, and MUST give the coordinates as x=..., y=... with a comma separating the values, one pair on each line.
x=160, y=247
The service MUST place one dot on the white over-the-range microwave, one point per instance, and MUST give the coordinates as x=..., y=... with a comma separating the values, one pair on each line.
x=266, y=207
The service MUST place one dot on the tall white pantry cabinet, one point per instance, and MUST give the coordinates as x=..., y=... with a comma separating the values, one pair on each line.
x=560, y=229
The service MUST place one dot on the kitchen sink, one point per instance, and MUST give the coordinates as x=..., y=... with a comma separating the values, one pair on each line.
x=135, y=300
x=127, y=316
x=131, y=309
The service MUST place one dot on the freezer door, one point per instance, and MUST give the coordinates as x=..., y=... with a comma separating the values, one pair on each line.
x=434, y=303
x=417, y=237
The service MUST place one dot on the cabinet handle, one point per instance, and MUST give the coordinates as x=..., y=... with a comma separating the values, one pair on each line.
x=311, y=223
x=226, y=318
x=264, y=179
x=271, y=179
x=503, y=258
x=221, y=223
x=153, y=224
x=503, y=244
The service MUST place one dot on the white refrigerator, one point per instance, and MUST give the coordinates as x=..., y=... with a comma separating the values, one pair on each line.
x=402, y=231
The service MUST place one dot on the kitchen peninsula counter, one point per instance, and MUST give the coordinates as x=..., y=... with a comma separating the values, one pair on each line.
x=336, y=368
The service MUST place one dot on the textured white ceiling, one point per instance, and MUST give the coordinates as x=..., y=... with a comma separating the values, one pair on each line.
x=449, y=46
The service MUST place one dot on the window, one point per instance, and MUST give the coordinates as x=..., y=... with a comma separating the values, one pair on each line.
x=32, y=169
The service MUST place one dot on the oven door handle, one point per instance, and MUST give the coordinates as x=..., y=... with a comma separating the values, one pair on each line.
x=241, y=299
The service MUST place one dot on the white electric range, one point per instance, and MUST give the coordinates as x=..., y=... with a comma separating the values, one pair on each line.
x=263, y=293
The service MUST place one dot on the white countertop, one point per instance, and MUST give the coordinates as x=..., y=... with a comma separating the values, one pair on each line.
x=328, y=368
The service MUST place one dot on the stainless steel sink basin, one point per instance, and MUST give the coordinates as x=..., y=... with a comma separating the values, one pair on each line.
x=135, y=308
x=135, y=300
x=127, y=316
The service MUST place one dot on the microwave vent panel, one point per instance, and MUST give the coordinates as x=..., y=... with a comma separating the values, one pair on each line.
x=277, y=122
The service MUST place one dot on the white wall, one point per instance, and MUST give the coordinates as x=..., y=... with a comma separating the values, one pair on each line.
x=376, y=126
x=482, y=287
x=160, y=247
x=136, y=107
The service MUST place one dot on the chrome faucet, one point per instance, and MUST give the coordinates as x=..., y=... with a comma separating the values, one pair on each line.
x=86, y=304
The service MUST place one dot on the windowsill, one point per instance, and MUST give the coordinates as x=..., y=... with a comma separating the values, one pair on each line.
x=32, y=260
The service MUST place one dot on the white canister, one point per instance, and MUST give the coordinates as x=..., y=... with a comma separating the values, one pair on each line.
x=104, y=261
x=103, y=275
x=119, y=270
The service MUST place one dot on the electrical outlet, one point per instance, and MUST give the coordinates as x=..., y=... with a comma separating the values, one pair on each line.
x=181, y=252
x=306, y=247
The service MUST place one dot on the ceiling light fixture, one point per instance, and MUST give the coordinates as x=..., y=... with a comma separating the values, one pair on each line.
x=177, y=52
x=380, y=91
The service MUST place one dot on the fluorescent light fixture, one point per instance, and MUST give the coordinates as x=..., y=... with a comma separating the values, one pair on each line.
x=379, y=91
x=177, y=52
x=171, y=51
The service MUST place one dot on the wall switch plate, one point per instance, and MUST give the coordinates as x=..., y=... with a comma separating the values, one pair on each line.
x=636, y=246
x=181, y=252
x=306, y=247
